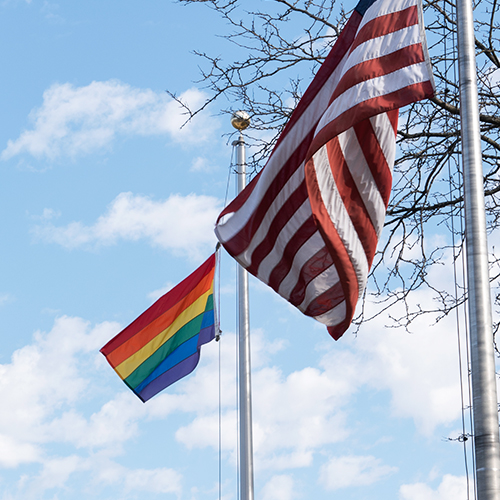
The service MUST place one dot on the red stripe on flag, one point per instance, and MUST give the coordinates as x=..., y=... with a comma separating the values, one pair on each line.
x=384, y=25
x=351, y=198
x=374, y=158
x=380, y=66
x=282, y=269
x=393, y=116
x=338, y=252
x=286, y=211
x=317, y=264
x=368, y=108
x=326, y=301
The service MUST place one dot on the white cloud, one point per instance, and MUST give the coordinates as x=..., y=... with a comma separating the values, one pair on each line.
x=451, y=488
x=156, y=481
x=200, y=164
x=421, y=370
x=51, y=12
x=14, y=452
x=111, y=426
x=46, y=385
x=296, y=415
x=42, y=379
x=280, y=487
x=56, y=472
x=101, y=472
x=43, y=386
x=183, y=224
x=494, y=76
x=159, y=480
x=79, y=120
x=343, y=472
x=293, y=416
x=47, y=214
x=203, y=432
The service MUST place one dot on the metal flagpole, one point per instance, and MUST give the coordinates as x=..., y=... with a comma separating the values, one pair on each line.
x=485, y=410
x=240, y=120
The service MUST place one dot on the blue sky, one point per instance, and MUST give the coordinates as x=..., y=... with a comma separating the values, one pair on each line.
x=105, y=202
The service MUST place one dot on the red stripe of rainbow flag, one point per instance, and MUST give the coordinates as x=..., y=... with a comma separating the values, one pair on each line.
x=163, y=344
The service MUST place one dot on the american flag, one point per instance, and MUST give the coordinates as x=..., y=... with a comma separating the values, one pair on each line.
x=308, y=224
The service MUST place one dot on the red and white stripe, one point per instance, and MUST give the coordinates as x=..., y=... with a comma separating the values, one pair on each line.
x=309, y=223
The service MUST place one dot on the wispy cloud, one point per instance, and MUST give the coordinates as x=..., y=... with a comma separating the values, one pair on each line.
x=75, y=121
x=179, y=223
x=280, y=487
x=423, y=382
x=295, y=416
x=44, y=386
x=343, y=472
x=42, y=377
x=451, y=488
x=201, y=164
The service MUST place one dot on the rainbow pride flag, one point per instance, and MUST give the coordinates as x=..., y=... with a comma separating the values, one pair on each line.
x=163, y=344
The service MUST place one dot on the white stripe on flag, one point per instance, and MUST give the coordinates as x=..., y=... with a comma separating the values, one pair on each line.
x=274, y=256
x=379, y=9
x=385, y=135
x=375, y=87
x=362, y=176
x=340, y=217
x=320, y=284
x=382, y=46
x=313, y=245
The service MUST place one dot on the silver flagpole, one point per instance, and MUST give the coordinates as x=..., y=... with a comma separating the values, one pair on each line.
x=240, y=120
x=485, y=410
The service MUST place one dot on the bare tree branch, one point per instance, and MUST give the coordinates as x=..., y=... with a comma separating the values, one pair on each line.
x=272, y=69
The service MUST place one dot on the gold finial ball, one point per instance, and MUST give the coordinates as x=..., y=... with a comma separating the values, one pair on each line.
x=240, y=120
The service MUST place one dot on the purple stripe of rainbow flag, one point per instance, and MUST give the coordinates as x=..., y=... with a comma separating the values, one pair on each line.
x=163, y=344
